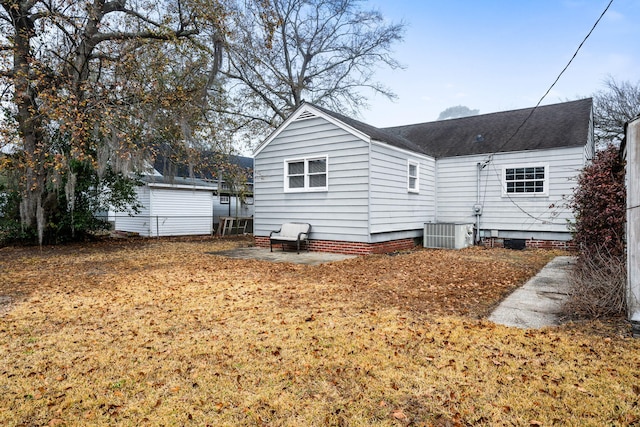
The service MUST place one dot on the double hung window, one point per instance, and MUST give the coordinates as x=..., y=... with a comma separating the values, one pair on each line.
x=413, y=176
x=309, y=174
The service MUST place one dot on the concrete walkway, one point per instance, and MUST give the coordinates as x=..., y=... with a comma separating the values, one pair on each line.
x=538, y=302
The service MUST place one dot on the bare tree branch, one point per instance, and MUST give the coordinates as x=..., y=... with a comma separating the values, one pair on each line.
x=150, y=35
x=614, y=107
x=324, y=51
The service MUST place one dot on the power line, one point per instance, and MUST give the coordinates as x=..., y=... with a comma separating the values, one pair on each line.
x=535, y=218
x=490, y=156
x=556, y=80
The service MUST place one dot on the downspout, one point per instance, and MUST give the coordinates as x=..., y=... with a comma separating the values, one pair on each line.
x=477, y=208
x=369, y=195
x=435, y=190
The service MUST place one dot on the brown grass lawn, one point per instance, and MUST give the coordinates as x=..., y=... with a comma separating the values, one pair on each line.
x=156, y=333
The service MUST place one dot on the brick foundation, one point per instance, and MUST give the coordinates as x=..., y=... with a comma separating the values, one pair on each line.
x=494, y=242
x=350, y=248
x=355, y=248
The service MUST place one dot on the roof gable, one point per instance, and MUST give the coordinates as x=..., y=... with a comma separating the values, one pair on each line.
x=357, y=128
x=308, y=111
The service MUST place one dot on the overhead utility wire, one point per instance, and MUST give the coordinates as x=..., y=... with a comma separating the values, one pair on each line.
x=538, y=104
x=556, y=80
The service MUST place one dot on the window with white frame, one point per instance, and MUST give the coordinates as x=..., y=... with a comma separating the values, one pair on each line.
x=224, y=199
x=309, y=174
x=526, y=180
x=413, y=176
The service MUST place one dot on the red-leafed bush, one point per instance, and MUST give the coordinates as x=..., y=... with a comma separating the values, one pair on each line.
x=599, y=204
x=597, y=285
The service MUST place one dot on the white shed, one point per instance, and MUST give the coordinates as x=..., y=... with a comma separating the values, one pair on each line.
x=181, y=207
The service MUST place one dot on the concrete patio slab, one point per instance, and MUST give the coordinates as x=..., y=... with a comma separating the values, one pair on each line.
x=308, y=258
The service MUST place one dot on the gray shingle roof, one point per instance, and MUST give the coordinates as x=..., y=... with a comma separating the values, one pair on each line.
x=550, y=126
x=392, y=138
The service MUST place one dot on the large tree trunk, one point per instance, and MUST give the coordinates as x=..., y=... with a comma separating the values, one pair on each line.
x=83, y=98
x=29, y=121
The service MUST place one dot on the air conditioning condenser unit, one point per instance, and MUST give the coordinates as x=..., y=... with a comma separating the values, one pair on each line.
x=447, y=235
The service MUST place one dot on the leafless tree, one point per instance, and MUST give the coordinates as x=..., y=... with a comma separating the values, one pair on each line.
x=321, y=51
x=612, y=108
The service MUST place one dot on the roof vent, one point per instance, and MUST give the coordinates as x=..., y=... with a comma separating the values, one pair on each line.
x=479, y=138
x=306, y=115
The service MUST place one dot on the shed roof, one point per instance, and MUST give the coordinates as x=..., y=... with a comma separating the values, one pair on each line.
x=205, y=167
x=180, y=182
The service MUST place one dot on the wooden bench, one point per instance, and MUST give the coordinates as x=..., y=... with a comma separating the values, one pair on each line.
x=290, y=233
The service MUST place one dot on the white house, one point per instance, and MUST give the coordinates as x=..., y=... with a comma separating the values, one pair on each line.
x=370, y=190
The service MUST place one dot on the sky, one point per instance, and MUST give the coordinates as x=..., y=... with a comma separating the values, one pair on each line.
x=498, y=55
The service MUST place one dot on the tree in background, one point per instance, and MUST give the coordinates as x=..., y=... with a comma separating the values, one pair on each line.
x=87, y=85
x=599, y=201
x=457, y=112
x=612, y=108
x=321, y=51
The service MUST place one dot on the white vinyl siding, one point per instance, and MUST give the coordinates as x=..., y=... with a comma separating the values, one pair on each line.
x=530, y=215
x=226, y=205
x=136, y=223
x=376, y=192
x=181, y=212
x=338, y=213
x=170, y=212
x=393, y=208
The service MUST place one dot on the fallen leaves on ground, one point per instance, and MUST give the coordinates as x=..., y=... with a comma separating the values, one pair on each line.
x=161, y=333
